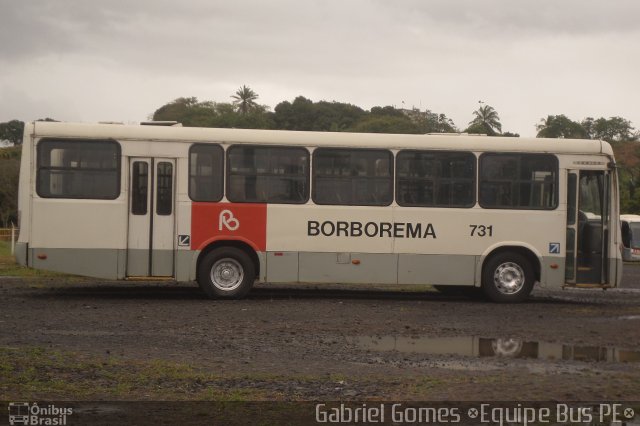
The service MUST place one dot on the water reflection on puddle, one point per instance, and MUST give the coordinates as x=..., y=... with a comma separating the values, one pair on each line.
x=484, y=347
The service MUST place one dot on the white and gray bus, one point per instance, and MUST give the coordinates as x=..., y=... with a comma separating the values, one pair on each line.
x=227, y=207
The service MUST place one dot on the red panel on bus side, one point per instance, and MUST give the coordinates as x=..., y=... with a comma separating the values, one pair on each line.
x=218, y=221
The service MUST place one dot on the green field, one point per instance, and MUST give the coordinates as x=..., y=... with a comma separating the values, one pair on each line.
x=37, y=372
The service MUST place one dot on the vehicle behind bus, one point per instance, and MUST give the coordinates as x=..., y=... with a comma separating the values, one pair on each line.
x=630, y=224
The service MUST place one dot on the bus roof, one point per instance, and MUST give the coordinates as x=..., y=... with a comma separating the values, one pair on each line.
x=329, y=139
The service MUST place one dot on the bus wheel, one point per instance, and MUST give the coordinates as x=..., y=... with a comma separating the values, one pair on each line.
x=507, y=278
x=226, y=273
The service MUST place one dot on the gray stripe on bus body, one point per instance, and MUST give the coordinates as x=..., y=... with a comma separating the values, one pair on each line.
x=373, y=268
x=137, y=264
x=437, y=269
x=292, y=267
x=186, y=263
x=98, y=263
x=262, y=261
x=552, y=277
x=281, y=267
x=108, y=264
x=122, y=264
x=162, y=263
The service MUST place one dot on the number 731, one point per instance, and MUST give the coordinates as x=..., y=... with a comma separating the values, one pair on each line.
x=481, y=230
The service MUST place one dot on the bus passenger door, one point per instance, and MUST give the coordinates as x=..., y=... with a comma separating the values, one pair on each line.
x=588, y=217
x=150, y=240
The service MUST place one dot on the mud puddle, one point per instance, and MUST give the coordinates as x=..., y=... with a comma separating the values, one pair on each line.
x=480, y=347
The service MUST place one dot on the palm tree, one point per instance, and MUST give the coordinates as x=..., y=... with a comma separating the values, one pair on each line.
x=245, y=99
x=487, y=119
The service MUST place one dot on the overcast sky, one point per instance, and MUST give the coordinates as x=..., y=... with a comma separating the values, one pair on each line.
x=120, y=60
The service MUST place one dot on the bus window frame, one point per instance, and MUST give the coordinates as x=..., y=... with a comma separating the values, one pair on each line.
x=307, y=175
x=556, y=181
x=474, y=179
x=39, y=167
x=222, y=172
x=392, y=165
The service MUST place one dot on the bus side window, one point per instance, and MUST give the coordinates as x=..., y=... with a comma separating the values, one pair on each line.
x=164, y=190
x=206, y=172
x=518, y=181
x=267, y=174
x=139, y=188
x=356, y=177
x=435, y=179
x=80, y=169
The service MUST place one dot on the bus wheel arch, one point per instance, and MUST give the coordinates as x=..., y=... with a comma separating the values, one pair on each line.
x=508, y=273
x=227, y=269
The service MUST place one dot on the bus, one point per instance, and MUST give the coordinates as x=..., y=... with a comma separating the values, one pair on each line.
x=630, y=224
x=229, y=207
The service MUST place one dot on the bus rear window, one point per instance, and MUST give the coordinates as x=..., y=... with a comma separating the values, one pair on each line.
x=88, y=169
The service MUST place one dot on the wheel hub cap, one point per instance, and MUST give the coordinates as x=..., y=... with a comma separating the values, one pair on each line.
x=227, y=274
x=509, y=278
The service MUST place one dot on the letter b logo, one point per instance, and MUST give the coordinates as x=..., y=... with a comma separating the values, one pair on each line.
x=227, y=220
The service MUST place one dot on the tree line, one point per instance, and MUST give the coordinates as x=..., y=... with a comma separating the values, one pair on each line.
x=303, y=114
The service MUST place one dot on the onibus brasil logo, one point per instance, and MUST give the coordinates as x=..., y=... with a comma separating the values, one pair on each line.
x=25, y=413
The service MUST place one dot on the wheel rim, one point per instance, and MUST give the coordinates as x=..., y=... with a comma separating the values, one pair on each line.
x=227, y=274
x=509, y=278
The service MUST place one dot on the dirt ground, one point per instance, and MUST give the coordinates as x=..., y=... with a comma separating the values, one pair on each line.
x=73, y=338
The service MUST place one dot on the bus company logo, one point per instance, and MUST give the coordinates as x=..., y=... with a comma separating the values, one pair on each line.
x=227, y=220
x=24, y=413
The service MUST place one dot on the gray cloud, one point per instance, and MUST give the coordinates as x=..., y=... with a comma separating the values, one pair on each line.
x=83, y=60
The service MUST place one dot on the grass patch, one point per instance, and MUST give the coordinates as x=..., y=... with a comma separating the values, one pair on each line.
x=38, y=373
x=5, y=249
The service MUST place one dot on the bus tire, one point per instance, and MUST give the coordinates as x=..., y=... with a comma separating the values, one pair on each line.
x=226, y=273
x=507, y=278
